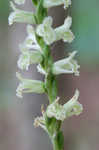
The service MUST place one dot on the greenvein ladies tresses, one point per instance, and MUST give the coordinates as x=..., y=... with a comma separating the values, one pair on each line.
x=36, y=50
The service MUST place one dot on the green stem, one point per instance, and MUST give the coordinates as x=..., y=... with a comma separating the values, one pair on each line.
x=58, y=141
x=55, y=146
x=52, y=125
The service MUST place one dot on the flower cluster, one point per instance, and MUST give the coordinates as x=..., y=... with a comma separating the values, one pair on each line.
x=51, y=35
x=72, y=107
x=60, y=112
x=35, y=50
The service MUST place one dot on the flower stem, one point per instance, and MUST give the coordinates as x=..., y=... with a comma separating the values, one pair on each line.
x=53, y=126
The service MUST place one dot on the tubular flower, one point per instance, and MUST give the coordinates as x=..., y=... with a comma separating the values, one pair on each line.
x=67, y=65
x=64, y=32
x=51, y=35
x=46, y=31
x=28, y=57
x=29, y=86
x=20, y=16
x=19, y=2
x=73, y=107
x=62, y=112
x=52, y=3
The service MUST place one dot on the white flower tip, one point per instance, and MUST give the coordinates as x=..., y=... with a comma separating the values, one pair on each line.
x=12, y=5
x=23, y=62
x=30, y=29
x=66, y=3
x=76, y=95
x=19, y=91
x=12, y=14
x=68, y=21
x=41, y=70
x=18, y=75
x=48, y=21
x=72, y=54
x=10, y=18
x=19, y=95
x=19, y=2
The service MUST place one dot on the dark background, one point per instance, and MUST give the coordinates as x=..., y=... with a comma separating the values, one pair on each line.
x=16, y=116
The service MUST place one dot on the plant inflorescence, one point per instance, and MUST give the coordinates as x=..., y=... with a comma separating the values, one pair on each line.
x=36, y=50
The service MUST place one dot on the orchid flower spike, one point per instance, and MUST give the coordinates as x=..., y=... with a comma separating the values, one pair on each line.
x=62, y=112
x=52, y=3
x=67, y=65
x=29, y=86
x=20, y=16
x=51, y=35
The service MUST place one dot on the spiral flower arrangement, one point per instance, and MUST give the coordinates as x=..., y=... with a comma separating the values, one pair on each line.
x=36, y=50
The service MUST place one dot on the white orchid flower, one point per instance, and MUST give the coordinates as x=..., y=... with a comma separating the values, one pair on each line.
x=62, y=112
x=29, y=86
x=51, y=35
x=67, y=65
x=20, y=16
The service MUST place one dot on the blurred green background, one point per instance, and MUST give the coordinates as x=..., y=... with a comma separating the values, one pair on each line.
x=16, y=116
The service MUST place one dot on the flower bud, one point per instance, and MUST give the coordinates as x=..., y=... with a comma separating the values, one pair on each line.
x=29, y=86
x=67, y=65
x=52, y=3
x=40, y=122
x=20, y=16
